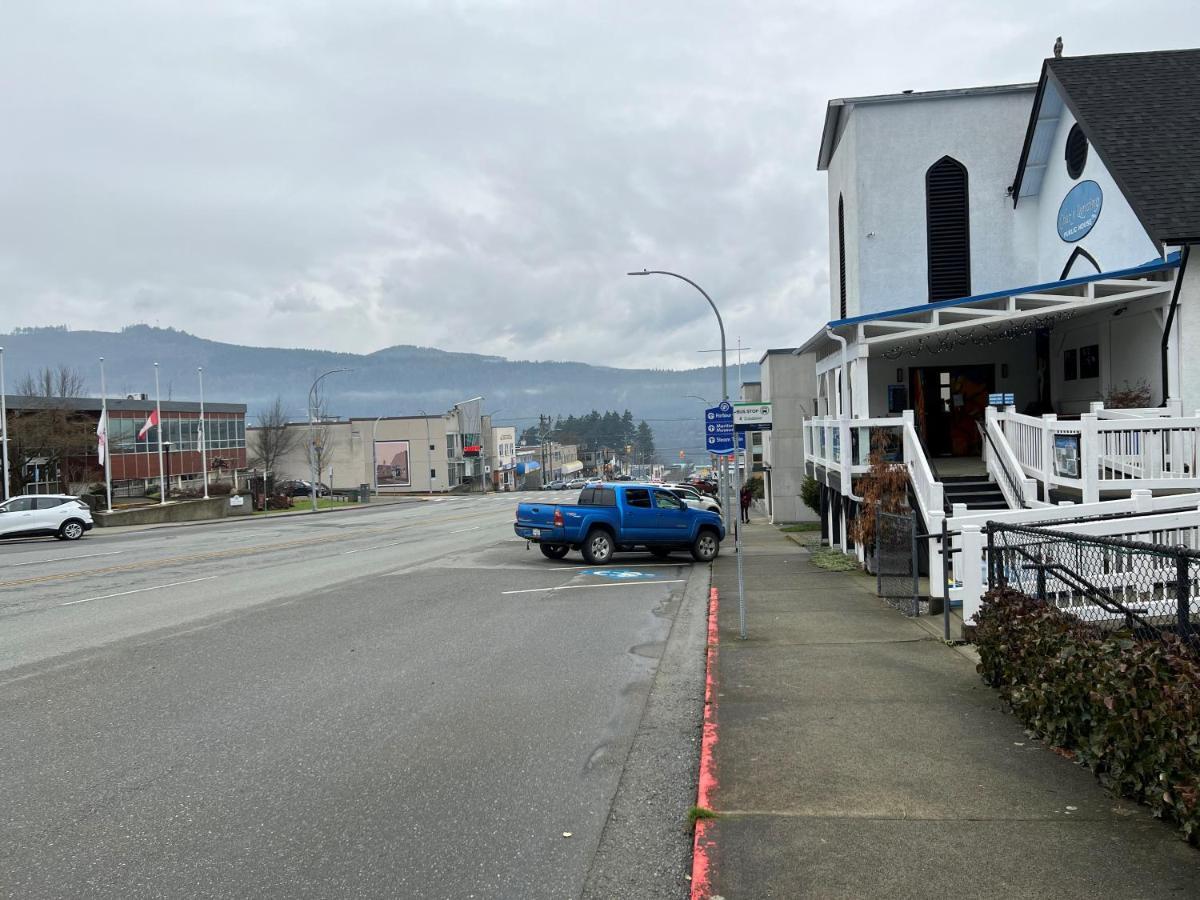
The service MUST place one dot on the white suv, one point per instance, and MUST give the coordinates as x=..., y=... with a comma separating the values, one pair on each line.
x=64, y=516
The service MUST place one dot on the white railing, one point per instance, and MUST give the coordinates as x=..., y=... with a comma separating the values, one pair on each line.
x=1004, y=467
x=928, y=490
x=1173, y=409
x=1102, y=453
x=1141, y=516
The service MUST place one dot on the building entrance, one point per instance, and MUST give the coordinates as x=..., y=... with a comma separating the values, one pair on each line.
x=948, y=401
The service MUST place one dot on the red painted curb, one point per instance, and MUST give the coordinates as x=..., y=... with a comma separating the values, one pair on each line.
x=701, y=864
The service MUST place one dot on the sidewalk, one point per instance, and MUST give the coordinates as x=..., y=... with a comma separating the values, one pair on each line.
x=858, y=756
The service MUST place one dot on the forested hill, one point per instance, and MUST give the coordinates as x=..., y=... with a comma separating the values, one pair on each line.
x=400, y=380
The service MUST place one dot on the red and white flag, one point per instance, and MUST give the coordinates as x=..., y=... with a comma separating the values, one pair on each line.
x=102, y=439
x=151, y=421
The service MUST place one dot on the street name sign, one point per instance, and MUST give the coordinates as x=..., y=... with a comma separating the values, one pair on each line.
x=718, y=428
x=752, y=416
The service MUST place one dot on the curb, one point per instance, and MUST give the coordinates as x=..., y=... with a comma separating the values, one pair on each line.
x=701, y=864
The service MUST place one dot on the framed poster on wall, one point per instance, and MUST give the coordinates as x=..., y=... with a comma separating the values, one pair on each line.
x=897, y=398
x=391, y=464
x=1066, y=455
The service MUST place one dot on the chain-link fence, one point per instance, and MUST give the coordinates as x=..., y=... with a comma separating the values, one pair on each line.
x=896, y=569
x=1115, y=583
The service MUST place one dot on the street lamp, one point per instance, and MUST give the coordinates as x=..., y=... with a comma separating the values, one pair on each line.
x=374, y=461
x=312, y=432
x=737, y=532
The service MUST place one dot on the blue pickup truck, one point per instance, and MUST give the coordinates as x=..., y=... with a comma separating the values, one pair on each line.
x=612, y=518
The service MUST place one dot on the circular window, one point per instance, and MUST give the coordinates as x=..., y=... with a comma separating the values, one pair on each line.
x=1077, y=150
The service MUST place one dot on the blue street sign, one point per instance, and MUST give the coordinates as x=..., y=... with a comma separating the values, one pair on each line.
x=718, y=428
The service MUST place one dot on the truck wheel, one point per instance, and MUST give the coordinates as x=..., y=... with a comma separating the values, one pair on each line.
x=706, y=546
x=553, y=551
x=598, y=547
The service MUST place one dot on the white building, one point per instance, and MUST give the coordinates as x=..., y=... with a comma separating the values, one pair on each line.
x=1005, y=263
x=503, y=454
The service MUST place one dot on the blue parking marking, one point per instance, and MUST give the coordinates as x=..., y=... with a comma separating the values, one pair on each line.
x=618, y=574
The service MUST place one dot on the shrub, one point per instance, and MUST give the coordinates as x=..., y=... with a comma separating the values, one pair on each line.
x=1136, y=396
x=810, y=493
x=1128, y=707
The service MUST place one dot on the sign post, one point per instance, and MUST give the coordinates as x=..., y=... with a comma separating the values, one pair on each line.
x=746, y=417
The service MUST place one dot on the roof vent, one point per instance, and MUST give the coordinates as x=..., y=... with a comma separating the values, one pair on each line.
x=909, y=91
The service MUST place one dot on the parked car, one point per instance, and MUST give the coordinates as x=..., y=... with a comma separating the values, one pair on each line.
x=303, y=489
x=62, y=515
x=694, y=498
x=618, y=517
x=556, y=486
x=576, y=484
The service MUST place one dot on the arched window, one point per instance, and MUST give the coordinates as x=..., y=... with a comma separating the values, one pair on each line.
x=1079, y=264
x=842, y=255
x=947, y=223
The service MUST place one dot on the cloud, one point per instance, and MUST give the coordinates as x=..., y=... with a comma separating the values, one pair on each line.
x=474, y=175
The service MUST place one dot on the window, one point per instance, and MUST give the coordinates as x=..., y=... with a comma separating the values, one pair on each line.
x=947, y=222
x=47, y=502
x=1089, y=361
x=1077, y=151
x=638, y=498
x=1070, y=365
x=432, y=474
x=842, y=255
x=663, y=500
x=21, y=504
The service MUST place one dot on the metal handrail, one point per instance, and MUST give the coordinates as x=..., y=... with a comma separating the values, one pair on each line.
x=1017, y=490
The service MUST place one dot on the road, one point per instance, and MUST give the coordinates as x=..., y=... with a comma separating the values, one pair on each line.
x=392, y=701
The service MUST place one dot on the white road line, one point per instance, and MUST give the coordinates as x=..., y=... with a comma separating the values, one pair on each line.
x=38, y=562
x=464, y=530
x=377, y=547
x=577, y=587
x=156, y=587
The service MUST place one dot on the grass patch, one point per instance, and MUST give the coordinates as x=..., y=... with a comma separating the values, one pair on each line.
x=800, y=526
x=696, y=813
x=834, y=561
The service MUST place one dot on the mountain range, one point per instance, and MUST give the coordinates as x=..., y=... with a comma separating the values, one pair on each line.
x=400, y=380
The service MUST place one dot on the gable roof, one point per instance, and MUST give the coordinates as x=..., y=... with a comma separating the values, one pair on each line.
x=1141, y=113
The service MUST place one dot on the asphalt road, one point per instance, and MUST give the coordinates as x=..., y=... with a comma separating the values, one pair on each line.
x=400, y=701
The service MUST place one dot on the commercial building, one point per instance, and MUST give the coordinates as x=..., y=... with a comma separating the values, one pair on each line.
x=65, y=458
x=503, y=457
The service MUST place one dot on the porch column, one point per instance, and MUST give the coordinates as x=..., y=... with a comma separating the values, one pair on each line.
x=973, y=584
x=860, y=396
x=1089, y=453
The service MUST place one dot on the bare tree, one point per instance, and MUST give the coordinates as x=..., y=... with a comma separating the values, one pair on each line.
x=320, y=453
x=272, y=440
x=46, y=433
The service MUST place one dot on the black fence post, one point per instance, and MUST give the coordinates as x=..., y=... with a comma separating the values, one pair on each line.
x=1041, y=580
x=947, y=571
x=991, y=558
x=1183, y=596
x=916, y=603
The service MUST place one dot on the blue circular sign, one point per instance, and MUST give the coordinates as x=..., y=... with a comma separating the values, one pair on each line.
x=1079, y=211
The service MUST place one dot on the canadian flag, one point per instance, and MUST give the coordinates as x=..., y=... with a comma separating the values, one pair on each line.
x=102, y=439
x=151, y=421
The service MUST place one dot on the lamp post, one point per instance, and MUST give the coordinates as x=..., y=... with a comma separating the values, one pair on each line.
x=312, y=433
x=724, y=397
x=374, y=460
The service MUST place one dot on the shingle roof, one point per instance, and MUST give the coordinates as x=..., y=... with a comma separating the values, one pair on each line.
x=1141, y=112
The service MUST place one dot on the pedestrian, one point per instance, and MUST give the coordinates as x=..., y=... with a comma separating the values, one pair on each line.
x=746, y=497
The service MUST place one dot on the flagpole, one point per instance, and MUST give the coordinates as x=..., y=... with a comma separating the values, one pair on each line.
x=203, y=434
x=162, y=473
x=107, y=448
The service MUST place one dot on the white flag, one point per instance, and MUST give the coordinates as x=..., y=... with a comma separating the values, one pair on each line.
x=102, y=439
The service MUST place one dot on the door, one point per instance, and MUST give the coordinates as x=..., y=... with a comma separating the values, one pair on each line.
x=639, y=517
x=673, y=517
x=16, y=516
x=952, y=400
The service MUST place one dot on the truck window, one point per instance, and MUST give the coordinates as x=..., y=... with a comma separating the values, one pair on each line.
x=587, y=496
x=638, y=497
x=665, y=500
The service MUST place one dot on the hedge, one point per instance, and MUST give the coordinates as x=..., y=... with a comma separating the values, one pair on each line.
x=1128, y=707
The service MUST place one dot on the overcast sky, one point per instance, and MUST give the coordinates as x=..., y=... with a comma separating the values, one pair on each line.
x=472, y=176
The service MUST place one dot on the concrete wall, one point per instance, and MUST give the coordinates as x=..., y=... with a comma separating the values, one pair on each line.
x=789, y=383
x=174, y=511
x=879, y=167
x=349, y=449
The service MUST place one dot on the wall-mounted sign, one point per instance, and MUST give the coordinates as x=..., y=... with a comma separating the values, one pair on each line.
x=1066, y=455
x=391, y=463
x=1001, y=400
x=1079, y=211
